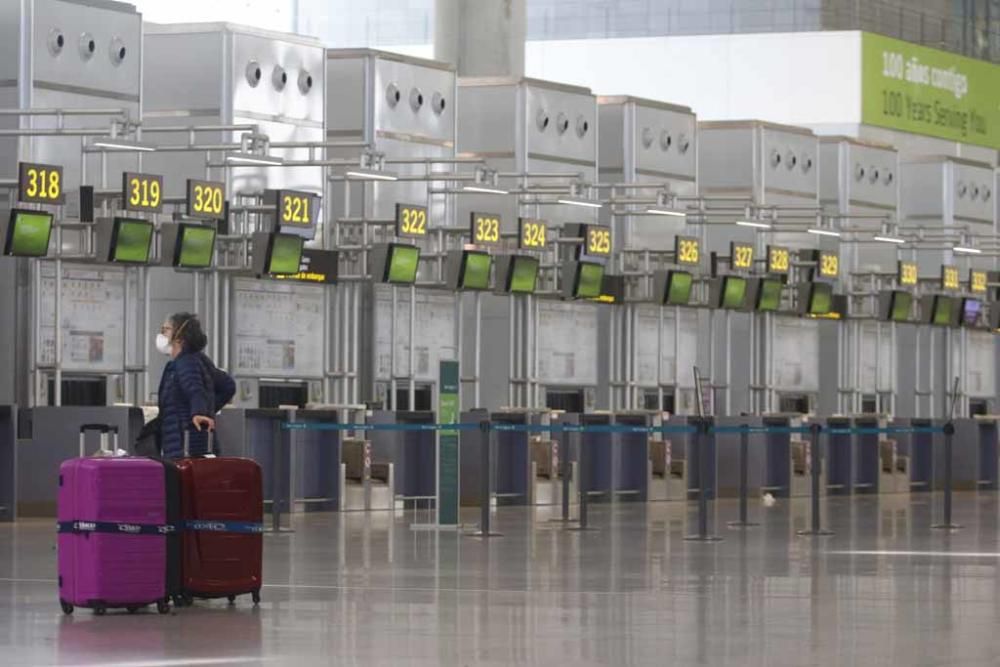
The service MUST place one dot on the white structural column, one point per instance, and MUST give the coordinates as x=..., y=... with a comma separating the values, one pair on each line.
x=481, y=37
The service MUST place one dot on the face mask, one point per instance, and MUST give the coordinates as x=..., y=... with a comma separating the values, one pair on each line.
x=162, y=343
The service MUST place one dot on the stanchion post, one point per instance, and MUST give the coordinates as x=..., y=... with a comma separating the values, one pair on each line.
x=583, y=481
x=744, y=478
x=485, y=476
x=277, y=468
x=701, y=440
x=816, y=473
x=949, y=434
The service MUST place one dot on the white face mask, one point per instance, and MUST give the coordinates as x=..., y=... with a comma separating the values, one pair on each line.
x=163, y=343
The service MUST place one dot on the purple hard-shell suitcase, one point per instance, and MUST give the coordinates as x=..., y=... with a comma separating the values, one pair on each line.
x=112, y=522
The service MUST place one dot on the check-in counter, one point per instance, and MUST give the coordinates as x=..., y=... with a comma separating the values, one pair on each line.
x=867, y=453
x=839, y=460
x=974, y=466
x=594, y=457
x=50, y=435
x=411, y=453
x=315, y=460
x=8, y=462
x=630, y=456
x=916, y=451
x=256, y=433
x=687, y=447
x=727, y=443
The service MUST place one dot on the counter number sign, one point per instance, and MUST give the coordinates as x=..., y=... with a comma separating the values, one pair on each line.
x=829, y=264
x=142, y=192
x=977, y=281
x=598, y=240
x=531, y=234
x=741, y=256
x=411, y=220
x=907, y=274
x=949, y=278
x=205, y=199
x=485, y=228
x=296, y=209
x=39, y=183
x=687, y=250
x=778, y=259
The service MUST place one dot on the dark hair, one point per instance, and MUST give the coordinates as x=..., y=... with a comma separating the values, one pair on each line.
x=187, y=330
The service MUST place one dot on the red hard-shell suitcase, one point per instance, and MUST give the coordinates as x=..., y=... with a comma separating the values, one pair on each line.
x=222, y=506
x=112, y=528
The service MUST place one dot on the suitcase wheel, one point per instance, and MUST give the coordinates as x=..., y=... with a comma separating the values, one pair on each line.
x=99, y=610
x=256, y=596
x=163, y=606
x=67, y=608
x=232, y=599
x=132, y=609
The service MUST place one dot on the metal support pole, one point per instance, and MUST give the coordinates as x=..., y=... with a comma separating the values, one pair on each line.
x=583, y=461
x=815, y=471
x=744, y=479
x=485, y=477
x=701, y=437
x=946, y=524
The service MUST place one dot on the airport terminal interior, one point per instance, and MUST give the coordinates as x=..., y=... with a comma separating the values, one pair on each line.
x=596, y=332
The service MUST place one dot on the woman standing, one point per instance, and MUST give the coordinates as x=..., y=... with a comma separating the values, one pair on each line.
x=192, y=390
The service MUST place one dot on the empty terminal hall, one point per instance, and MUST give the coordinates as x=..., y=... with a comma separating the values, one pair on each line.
x=499, y=332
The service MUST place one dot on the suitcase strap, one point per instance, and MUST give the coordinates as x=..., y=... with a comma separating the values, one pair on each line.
x=81, y=527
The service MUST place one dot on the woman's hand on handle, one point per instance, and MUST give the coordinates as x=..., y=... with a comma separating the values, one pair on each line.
x=200, y=421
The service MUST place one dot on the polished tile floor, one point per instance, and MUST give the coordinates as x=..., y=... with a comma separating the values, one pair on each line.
x=353, y=589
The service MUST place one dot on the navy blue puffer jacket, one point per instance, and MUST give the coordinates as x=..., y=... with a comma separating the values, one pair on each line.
x=191, y=385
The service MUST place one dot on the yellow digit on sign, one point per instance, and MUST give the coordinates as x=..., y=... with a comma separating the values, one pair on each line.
x=32, y=190
x=829, y=265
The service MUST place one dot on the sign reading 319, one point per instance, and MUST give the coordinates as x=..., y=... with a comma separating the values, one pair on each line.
x=142, y=192
x=205, y=199
x=39, y=183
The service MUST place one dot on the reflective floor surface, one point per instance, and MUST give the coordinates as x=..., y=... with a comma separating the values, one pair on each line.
x=357, y=589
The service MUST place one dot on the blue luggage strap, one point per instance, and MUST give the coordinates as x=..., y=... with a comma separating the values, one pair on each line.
x=127, y=528
x=115, y=527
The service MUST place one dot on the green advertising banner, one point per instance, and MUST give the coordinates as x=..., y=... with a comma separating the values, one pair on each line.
x=448, y=413
x=926, y=91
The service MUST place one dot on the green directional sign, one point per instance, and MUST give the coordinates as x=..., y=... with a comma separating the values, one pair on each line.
x=926, y=91
x=448, y=413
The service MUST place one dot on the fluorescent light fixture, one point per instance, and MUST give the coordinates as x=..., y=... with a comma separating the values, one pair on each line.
x=753, y=223
x=967, y=250
x=823, y=232
x=579, y=201
x=659, y=210
x=370, y=174
x=114, y=144
x=485, y=189
x=888, y=239
x=253, y=158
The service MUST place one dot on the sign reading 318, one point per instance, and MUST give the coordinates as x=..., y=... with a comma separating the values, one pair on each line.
x=39, y=183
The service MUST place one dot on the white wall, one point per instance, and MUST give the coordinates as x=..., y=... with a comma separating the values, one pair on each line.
x=267, y=14
x=794, y=78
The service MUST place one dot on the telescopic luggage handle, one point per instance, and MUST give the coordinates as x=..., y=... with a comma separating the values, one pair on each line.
x=104, y=430
x=187, y=440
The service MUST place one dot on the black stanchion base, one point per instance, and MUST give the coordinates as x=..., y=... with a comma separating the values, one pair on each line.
x=742, y=524
x=562, y=520
x=822, y=532
x=702, y=538
x=581, y=529
x=946, y=526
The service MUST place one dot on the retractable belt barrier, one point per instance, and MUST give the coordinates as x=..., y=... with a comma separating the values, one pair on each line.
x=702, y=429
x=602, y=428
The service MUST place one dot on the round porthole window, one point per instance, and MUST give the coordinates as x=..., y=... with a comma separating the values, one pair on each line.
x=87, y=46
x=253, y=73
